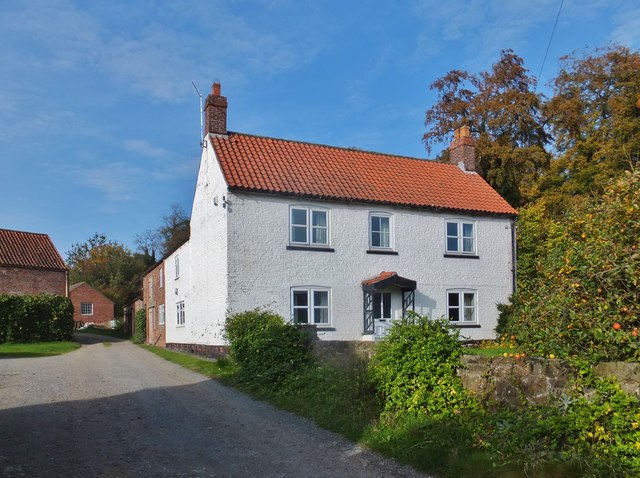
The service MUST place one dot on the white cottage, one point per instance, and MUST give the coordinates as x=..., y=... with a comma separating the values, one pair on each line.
x=345, y=239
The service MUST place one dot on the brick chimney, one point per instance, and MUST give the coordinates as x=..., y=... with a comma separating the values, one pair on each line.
x=462, y=150
x=215, y=112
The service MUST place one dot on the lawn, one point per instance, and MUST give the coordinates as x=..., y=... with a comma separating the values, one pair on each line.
x=39, y=349
x=211, y=368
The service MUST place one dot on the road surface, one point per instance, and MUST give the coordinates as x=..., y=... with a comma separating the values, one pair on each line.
x=112, y=409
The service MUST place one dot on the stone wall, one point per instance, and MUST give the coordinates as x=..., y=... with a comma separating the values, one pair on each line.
x=515, y=382
x=210, y=351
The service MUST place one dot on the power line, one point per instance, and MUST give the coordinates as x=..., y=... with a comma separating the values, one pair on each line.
x=549, y=44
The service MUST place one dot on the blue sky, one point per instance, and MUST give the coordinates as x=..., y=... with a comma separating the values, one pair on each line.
x=99, y=122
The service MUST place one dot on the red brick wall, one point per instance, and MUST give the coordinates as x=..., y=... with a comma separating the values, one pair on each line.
x=153, y=296
x=22, y=281
x=102, y=306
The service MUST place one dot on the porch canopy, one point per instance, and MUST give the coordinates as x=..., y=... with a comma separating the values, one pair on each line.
x=383, y=281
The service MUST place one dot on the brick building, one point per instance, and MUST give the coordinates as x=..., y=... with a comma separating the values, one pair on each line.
x=153, y=284
x=91, y=305
x=31, y=264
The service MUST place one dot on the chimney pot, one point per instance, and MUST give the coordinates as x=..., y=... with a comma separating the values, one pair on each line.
x=215, y=89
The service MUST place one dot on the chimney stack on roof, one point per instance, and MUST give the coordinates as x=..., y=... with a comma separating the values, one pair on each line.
x=462, y=150
x=215, y=111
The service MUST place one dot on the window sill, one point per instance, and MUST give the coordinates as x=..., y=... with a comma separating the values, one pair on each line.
x=310, y=248
x=465, y=326
x=383, y=252
x=462, y=256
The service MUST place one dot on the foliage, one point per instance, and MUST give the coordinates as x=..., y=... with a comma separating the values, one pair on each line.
x=109, y=267
x=578, y=293
x=594, y=115
x=140, y=327
x=503, y=109
x=35, y=318
x=171, y=234
x=37, y=349
x=415, y=367
x=266, y=349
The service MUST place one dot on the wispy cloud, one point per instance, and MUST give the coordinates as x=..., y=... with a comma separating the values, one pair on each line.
x=145, y=148
x=116, y=181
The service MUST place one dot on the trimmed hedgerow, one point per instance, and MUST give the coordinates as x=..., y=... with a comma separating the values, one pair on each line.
x=266, y=349
x=35, y=318
x=140, y=332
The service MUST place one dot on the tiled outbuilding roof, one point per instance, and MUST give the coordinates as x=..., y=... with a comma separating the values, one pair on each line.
x=384, y=275
x=29, y=249
x=270, y=165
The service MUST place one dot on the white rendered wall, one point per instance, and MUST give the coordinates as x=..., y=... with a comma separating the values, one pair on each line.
x=178, y=289
x=261, y=271
x=208, y=265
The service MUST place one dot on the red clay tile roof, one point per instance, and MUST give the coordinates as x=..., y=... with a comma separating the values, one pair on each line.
x=259, y=164
x=379, y=278
x=29, y=249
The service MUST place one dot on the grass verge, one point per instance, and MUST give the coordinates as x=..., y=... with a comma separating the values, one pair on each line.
x=38, y=349
x=219, y=369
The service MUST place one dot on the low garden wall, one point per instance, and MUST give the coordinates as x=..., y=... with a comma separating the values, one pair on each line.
x=506, y=380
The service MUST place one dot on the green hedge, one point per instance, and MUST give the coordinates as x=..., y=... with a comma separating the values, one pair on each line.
x=35, y=318
x=140, y=329
x=266, y=349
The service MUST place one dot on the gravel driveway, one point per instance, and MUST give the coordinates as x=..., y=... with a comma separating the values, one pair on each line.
x=112, y=409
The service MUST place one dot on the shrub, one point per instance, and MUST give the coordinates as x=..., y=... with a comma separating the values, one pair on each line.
x=580, y=297
x=140, y=332
x=415, y=368
x=266, y=349
x=35, y=318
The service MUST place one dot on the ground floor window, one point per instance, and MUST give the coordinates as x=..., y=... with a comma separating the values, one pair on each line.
x=161, y=314
x=310, y=306
x=382, y=305
x=86, y=308
x=461, y=306
x=180, y=313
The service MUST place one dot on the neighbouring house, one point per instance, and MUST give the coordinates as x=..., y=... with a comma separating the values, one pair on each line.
x=344, y=239
x=31, y=264
x=91, y=306
x=153, y=296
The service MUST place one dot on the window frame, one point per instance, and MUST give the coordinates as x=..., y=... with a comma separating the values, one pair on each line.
x=180, y=314
x=309, y=227
x=385, y=215
x=460, y=237
x=82, y=306
x=381, y=311
x=161, y=278
x=461, y=307
x=176, y=262
x=310, y=307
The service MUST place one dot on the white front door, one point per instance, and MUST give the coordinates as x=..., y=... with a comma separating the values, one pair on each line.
x=382, y=313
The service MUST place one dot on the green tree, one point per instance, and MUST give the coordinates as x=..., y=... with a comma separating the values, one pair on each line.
x=594, y=115
x=170, y=235
x=108, y=266
x=502, y=108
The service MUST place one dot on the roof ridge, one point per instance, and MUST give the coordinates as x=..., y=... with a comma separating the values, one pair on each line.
x=343, y=148
x=24, y=232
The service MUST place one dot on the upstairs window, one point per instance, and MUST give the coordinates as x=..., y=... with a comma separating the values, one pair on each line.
x=150, y=288
x=161, y=278
x=380, y=231
x=461, y=306
x=86, y=308
x=461, y=237
x=310, y=306
x=309, y=226
x=177, y=265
